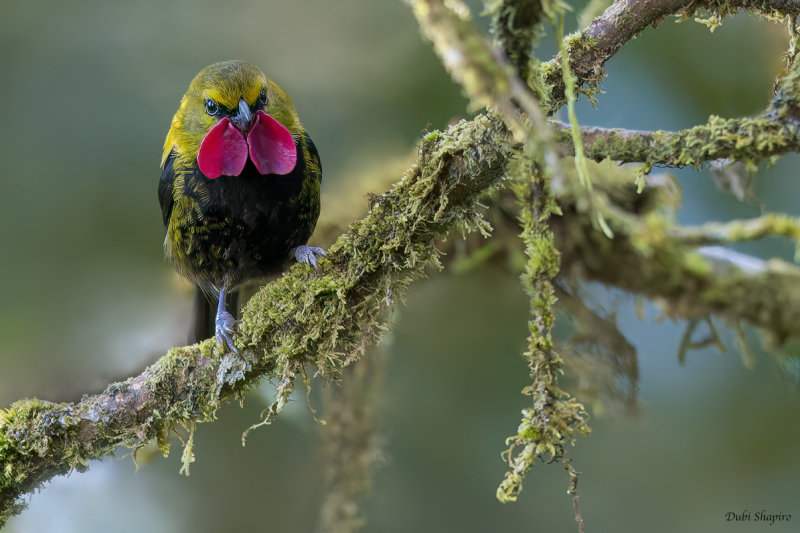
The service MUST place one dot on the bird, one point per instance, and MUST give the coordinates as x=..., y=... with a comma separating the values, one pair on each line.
x=239, y=189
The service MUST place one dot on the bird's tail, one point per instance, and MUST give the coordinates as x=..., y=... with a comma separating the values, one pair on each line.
x=205, y=314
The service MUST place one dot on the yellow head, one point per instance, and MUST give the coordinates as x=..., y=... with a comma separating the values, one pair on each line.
x=235, y=90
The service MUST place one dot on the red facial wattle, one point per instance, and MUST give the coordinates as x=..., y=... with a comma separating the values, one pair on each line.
x=272, y=148
x=224, y=150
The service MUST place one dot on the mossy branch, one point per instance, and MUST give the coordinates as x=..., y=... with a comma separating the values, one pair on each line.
x=774, y=132
x=713, y=233
x=740, y=139
x=590, y=49
x=323, y=319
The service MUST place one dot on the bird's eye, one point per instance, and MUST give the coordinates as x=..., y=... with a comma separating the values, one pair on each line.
x=263, y=97
x=211, y=107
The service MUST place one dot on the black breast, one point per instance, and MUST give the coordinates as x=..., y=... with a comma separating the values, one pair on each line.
x=244, y=227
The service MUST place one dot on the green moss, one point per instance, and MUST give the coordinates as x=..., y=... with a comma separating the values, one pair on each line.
x=745, y=139
x=516, y=29
x=430, y=136
x=577, y=42
x=32, y=432
x=749, y=140
x=555, y=417
x=712, y=12
x=571, y=47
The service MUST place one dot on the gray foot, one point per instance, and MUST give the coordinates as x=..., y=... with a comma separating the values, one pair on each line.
x=226, y=326
x=308, y=254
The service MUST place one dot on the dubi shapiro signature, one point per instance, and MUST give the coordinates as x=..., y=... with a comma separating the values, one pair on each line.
x=758, y=516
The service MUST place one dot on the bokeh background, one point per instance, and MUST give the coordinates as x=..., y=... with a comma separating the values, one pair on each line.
x=87, y=91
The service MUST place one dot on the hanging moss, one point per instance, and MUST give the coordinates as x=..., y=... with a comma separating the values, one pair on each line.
x=555, y=418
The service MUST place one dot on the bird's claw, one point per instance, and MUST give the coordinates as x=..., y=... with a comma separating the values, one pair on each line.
x=308, y=254
x=225, y=327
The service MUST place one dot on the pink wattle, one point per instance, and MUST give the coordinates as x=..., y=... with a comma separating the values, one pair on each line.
x=223, y=151
x=272, y=148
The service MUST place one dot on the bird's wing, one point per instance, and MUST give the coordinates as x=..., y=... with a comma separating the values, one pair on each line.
x=313, y=163
x=165, y=186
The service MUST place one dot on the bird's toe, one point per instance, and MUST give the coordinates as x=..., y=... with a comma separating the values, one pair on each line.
x=225, y=327
x=308, y=254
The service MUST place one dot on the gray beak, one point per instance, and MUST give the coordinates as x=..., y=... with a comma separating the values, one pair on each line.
x=243, y=118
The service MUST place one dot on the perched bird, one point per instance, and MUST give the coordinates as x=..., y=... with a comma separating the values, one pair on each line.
x=239, y=190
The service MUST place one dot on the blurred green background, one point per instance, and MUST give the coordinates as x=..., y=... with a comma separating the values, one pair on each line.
x=88, y=89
